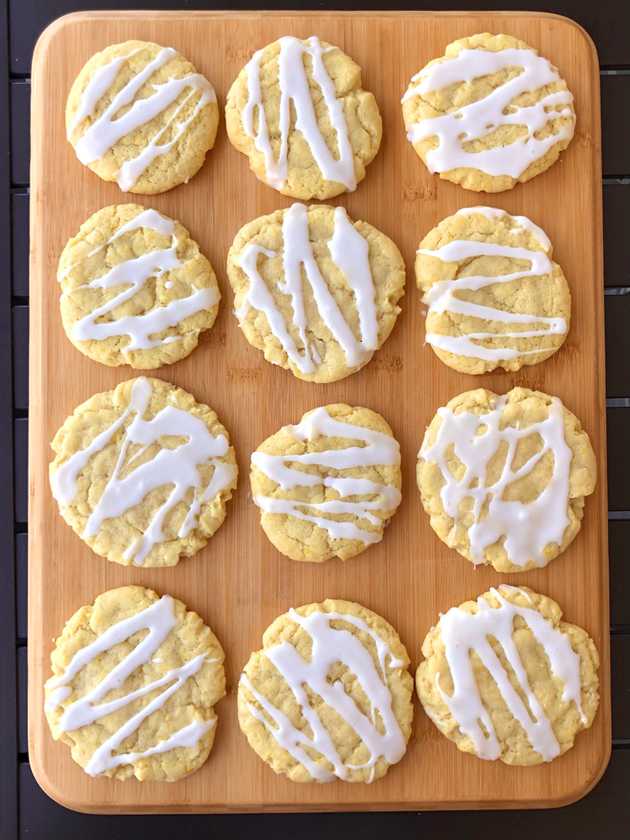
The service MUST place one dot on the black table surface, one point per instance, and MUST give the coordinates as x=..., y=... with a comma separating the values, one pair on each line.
x=25, y=811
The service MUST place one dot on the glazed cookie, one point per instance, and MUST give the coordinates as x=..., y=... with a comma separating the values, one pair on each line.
x=494, y=296
x=489, y=114
x=299, y=113
x=143, y=473
x=140, y=114
x=329, y=695
x=503, y=479
x=315, y=291
x=135, y=680
x=328, y=486
x=135, y=288
x=503, y=677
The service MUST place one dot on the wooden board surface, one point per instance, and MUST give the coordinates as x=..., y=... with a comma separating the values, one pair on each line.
x=239, y=583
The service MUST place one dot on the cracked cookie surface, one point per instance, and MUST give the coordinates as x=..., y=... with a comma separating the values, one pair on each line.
x=143, y=473
x=135, y=288
x=328, y=486
x=299, y=113
x=141, y=115
x=495, y=298
x=505, y=678
x=489, y=114
x=317, y=292
x=329, y=695
x=504, y=478
x=135, y=679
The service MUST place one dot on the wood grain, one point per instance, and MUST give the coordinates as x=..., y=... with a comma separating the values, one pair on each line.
x=239, y=583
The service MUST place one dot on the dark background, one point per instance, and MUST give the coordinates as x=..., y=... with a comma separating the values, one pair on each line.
x=26, y=812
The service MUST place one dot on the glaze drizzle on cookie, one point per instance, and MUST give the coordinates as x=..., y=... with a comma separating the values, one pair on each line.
x=350, y=253
x=132, y=276
x=295, y=92
x=475, y=439
x=159, y=620
x=379, y=730
x=464, y=632
x=366, y=501
x=177, y=468
x=104, y=131
x=442, y=296
x=465, y=124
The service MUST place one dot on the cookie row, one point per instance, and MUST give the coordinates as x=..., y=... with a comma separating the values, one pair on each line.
x=329, y=695
x=317, y=293
x=488, y=114
x=143, y=474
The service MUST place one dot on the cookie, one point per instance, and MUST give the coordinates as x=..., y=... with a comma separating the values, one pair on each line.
x=495, y=298
x=135, y=288
x=135, y=680
x=329, y=695
x=299, y=113
x=504, y=678
x=328, y=486
x=141, y=115
x=489, y=114
x=503, y=478
x=315, y=291
x=143, y=473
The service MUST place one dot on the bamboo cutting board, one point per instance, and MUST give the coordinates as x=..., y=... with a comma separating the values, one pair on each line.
x=239, y=582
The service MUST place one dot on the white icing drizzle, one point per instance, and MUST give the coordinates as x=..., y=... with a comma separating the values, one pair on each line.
x=349, y=251
x=159, y=620
x=378, y=449
x=482, y=117
x=463, y=633
x=295, y=90
x=330, y=646
x=474, y=439
x=133, y=274
x=442, y=297
x=177, y=467
x=108, y=128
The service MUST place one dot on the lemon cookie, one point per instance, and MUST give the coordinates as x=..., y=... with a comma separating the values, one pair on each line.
x=495, y=298
x=328, y=486
x=143, y=473
x=490, y=113
x=135, y=288
x=315, y=291
x=504, y=678
x=503, y=478
x=135, y=680
x=329, y=695
x=299, y=113
x=141, y=115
